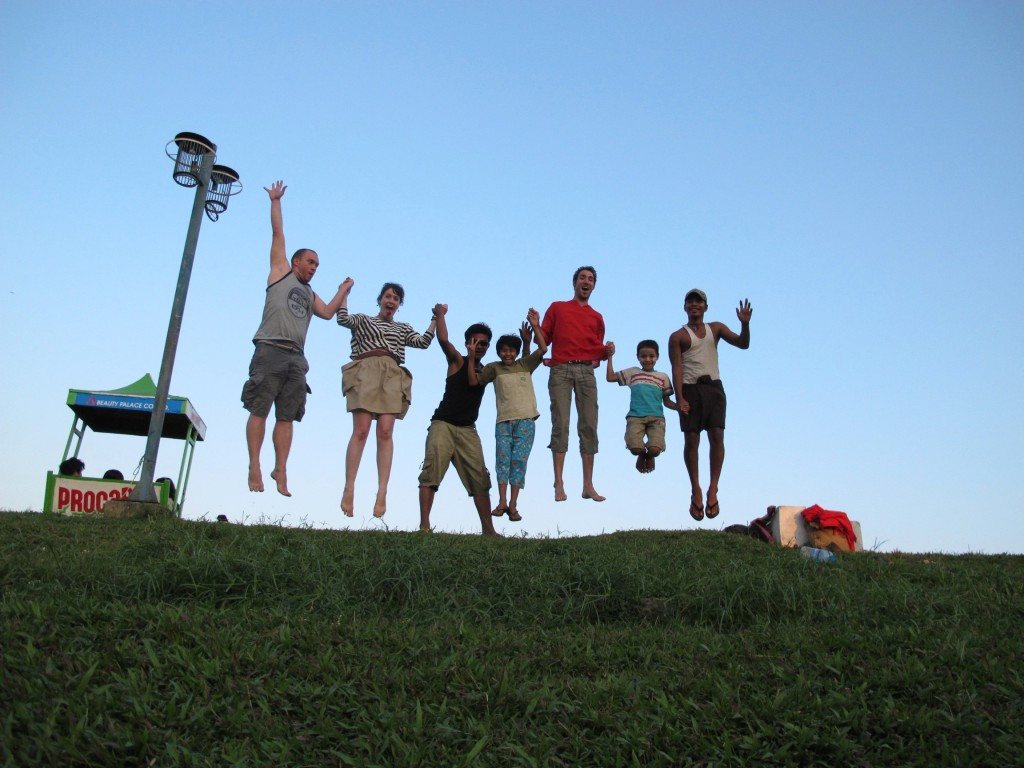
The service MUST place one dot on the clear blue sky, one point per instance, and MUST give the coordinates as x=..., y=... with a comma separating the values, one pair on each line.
x=855, y=169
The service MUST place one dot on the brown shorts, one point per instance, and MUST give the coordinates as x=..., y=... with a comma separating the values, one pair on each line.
x=449, y=444
x=638, y=426
x=707, y=406
x=377, y=384
x=276, y=376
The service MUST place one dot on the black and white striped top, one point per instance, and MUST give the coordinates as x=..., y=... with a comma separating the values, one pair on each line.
x=369, y=333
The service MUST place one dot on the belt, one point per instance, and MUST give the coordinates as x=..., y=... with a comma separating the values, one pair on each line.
x=578, y=362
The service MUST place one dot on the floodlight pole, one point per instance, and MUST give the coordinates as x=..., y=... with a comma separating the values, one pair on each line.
x=145, y=491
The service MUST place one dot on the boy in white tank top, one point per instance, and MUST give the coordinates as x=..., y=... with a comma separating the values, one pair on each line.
x=693, y=350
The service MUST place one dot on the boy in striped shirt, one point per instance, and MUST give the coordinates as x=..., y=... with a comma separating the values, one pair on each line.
x=649, y=392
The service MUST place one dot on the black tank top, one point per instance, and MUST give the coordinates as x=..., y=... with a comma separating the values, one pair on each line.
x=461, y=403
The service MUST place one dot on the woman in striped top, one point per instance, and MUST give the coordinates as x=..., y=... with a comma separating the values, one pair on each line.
x=376, y=384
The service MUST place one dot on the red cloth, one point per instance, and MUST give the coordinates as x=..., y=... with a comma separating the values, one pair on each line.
x=573, y=331
x=826, y=518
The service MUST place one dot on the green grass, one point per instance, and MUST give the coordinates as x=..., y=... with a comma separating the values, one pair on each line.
x=162, y=642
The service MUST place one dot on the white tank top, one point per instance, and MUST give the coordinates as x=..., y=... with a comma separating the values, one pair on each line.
x=701, y=359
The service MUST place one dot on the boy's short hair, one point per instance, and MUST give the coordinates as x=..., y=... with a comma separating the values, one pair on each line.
x=483, y=328
x=648, y=344
x=509, y=340
x=394, y=287
x=72, y=466
x=113, y=474
x=584, y=269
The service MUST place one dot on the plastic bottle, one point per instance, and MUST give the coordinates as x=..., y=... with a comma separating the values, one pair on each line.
x=819, y=555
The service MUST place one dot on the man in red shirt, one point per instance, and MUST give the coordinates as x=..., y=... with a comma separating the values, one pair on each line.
x=575, y=333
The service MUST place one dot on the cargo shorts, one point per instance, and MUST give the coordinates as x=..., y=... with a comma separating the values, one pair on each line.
x=276, y=376
x=450, y=444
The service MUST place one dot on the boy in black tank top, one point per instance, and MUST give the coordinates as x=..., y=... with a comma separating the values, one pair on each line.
x=452, y=437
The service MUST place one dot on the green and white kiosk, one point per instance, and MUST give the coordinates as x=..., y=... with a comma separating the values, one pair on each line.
x=124, y=411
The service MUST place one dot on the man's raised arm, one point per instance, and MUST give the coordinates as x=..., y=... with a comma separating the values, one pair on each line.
x=741, y=339
x=279, y=266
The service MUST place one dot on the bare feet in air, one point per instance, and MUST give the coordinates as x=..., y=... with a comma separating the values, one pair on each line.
x=641, y=462
x=590, y=493
x=280, y=477
x=256, y=479
x=560, y=492
x=380, y=506
x=348, y=502
x=649, y=464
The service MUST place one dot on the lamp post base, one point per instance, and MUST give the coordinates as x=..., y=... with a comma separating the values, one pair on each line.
x=126, y=509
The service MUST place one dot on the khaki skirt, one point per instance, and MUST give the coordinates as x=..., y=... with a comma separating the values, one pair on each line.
x=377, y=384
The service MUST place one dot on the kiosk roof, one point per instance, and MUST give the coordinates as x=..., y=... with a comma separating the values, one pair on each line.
x=126, y=411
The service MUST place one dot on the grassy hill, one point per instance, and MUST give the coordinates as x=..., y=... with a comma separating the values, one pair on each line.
x=162, y=642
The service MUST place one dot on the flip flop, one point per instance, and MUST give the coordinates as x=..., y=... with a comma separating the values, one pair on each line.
x=514, y=516
x=696, y=512
x=713, y=510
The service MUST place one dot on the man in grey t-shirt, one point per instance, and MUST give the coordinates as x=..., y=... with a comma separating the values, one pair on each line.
x=277, y=373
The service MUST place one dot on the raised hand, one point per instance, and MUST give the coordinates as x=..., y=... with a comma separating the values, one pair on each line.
x=276, y=190
x=609, y=349
x=533, y=317
x=525, y=332
x=440, y=310
x=346, y=285
x=744, y=311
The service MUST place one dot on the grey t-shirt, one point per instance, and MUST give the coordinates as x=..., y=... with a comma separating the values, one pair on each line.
x=286, y=313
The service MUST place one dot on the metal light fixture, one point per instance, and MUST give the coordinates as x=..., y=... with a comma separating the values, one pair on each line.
x=223, y=184
x=194, y=159
x=188, y=158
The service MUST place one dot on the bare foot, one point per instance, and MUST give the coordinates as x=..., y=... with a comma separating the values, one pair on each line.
x=560, y=492
x=380, y=506
x=426, y=529
x=641, y=462
x=347, y=501
x=280, y=477
x=493, y=534
x=590, y=493
x=500, y=510
x=513, y=515
x=255, y=479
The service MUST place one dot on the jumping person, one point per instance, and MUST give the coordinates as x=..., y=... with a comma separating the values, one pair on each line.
x=517, y=409
x=376, y=384
x=693, y=350
x=575, y=331
x=650, y=391
x=277, y=372
x=452, y=437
